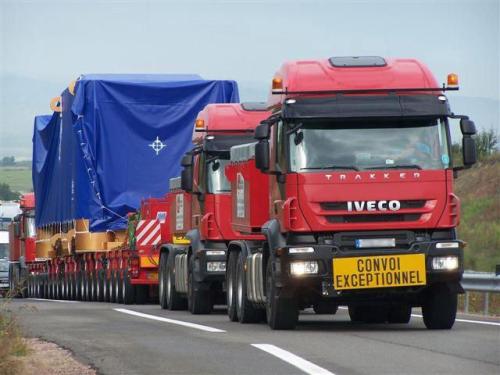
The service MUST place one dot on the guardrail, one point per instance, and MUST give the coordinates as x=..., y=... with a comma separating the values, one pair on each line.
x=484, y=282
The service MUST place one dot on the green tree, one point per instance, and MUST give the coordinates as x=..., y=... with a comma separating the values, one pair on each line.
x=486, y=145
x=6, y=194
x=8, y=161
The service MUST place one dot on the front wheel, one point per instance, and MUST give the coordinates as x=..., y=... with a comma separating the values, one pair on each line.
x=199, y=300
x=282, y=313
x=440, y=307
x=174, y=300
x=245, y=310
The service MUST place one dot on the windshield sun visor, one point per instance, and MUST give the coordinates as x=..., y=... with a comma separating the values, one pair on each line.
x=358, y=106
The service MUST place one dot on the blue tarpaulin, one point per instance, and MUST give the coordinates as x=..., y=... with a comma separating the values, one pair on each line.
x=118, y=140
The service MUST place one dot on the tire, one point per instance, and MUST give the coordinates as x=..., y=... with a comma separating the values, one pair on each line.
x=105, y=286
x=128, y=292
x=118, y=287
x=77, y=287
x=174, y=300
x=399, y=314
x=282, y=313
x=112, y=295
x=92, y=286
x=439, y=309
x=246, y=312
x=199, y=300
x=99, y=292
x=232, y=311
x=162, y=281
x=50, y=282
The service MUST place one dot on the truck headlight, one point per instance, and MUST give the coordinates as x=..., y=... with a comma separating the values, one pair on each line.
x=308, y=267
x=216, y=266
x=445, y=263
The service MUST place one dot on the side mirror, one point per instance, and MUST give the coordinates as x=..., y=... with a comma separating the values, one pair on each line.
x=467, y=127
x=262, y=131
x=262, y=155
x=187, y=160
x=187, y=179
x=469, y=150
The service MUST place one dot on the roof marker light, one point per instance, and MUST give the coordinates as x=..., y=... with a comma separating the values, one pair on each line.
x=277, y=83
x=452, y=79
x=199, y=123
x=442, y=98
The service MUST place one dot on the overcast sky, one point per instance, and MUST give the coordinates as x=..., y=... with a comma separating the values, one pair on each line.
x=46, y=44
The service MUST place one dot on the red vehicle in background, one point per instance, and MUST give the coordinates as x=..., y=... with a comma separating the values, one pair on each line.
x=193, y=265
x=351, y=184
x=22, y=235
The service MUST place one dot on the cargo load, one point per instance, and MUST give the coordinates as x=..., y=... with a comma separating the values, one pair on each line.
x=114, y=140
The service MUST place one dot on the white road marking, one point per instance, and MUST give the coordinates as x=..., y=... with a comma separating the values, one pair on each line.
x=457, y=320
x=53, y=300
x=294, y=360
x=171, y=321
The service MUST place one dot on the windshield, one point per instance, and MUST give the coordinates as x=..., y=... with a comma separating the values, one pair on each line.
x=369, y=145
x=4, y=250
x=217, y=181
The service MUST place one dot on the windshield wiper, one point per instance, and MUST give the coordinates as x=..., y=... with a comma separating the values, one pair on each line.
x=398, y=166
x=351, y=167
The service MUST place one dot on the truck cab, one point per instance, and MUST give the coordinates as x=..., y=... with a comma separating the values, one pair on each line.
x=360, y=183
x=201, y=214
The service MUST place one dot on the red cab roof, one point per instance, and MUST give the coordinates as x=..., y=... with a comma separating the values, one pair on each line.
x=326, y=75
x=234, y=116
x=27, y=201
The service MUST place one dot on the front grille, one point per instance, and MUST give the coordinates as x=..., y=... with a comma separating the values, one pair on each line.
x=385, y=218
x=342, y=206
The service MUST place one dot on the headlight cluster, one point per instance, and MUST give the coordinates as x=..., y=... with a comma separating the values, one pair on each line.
x=216, y=266
x=307, y=267
x=448, y=263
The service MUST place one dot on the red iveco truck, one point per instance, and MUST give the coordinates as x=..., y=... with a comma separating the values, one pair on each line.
x=351, y=184
x=193, y=265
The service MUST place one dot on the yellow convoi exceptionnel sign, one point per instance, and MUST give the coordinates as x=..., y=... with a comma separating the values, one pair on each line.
x=379, y=271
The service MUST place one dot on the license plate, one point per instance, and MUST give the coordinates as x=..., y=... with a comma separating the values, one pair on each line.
x=379, y=271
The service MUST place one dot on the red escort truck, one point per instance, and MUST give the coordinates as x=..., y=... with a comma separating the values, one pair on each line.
x=351, y=183
x=193, y=265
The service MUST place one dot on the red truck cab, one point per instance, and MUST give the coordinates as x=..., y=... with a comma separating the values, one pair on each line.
x=202, y=200
x=356, y=158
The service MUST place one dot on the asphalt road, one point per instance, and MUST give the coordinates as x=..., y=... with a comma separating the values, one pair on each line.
x=144, y=339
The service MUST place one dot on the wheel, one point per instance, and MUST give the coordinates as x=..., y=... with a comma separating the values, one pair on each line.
x=112, y=295
x=199, y=299
x=245, y=310
x=88, y=285
x=128, y=292
x=50, y=282
x=282, y=313
x=440, y=307
x=99, y=286
x=118, y=287
x=77, y=286
x=162, y=281
x=174, y=300
x=64, y=286
x=232, y=312
x=325, y=307
x=92, y=286
x=399, y=314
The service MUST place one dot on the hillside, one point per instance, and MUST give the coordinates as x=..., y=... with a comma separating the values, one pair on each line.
x=479, y=192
